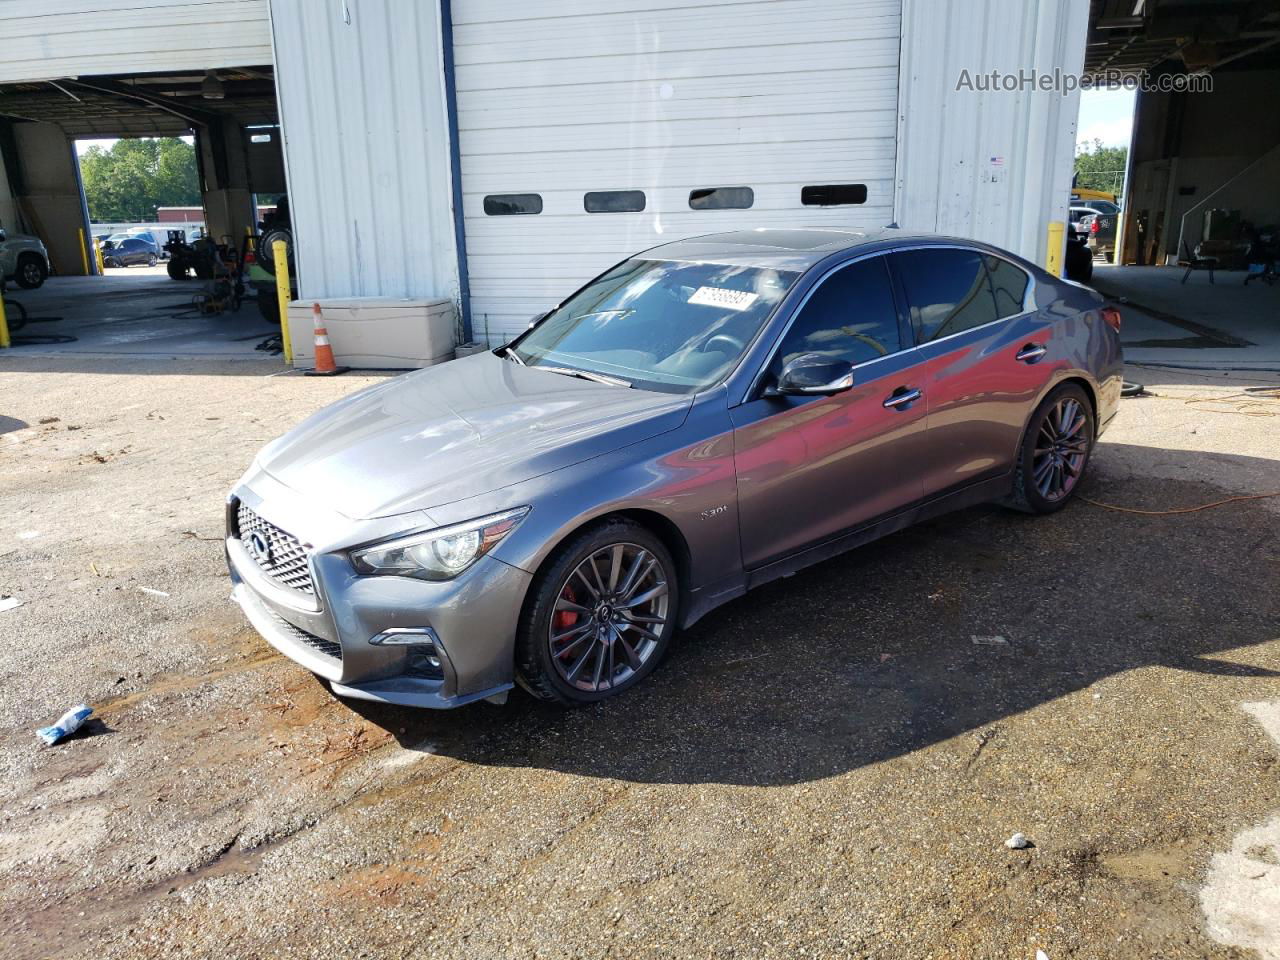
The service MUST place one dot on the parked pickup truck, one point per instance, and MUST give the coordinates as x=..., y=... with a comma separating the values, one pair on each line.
x=23, y=259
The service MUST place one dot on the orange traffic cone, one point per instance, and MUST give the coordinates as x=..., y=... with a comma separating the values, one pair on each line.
x=325, y=367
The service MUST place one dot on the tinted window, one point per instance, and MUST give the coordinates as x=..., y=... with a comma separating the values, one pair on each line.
x=614, y=201
x=512, y=204
x=850, y=316
x=722, y=198
x=950, y=290
x=833, y=194
x=132, y=245
x=1008, y=286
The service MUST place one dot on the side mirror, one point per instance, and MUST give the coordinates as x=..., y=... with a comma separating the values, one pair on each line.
x=813, y=374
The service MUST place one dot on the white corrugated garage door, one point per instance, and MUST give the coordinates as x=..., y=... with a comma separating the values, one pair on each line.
x=664, y=97
x=69, y=38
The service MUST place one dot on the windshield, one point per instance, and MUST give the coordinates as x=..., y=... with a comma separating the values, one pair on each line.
x=658, y=324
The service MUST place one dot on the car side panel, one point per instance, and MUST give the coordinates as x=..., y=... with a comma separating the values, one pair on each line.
x=979, y=396
x=685, y=476
x=1091, y=349
x=810, y=467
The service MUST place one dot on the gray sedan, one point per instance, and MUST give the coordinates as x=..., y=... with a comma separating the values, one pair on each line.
x=700, y=419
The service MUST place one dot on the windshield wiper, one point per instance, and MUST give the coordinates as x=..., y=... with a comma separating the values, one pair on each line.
x=585, y=375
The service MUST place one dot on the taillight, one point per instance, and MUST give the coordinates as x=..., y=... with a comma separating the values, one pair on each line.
x=1093, y=227
x=249, y=257
x=1112, y=316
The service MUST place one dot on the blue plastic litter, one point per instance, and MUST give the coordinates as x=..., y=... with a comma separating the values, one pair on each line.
x=67, y=724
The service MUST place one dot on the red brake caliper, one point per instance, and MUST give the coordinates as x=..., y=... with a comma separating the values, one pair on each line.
x=564, y=619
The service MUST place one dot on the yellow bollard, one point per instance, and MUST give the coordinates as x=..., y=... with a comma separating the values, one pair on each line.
x=97, y=255
x=4, y=326
x=1053, y=256
x=84, y=253
x=283, y=293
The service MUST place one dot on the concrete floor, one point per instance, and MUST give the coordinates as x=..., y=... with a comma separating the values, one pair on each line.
x=1197, y=324
x=827, y=767
x=134, y=312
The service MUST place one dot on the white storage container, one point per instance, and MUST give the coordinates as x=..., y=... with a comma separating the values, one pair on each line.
x=376, y=332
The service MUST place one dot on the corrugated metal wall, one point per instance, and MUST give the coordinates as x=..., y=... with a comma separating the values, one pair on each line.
x=991, y=165
x=362, y=110
x=607, y=94
x=44, y=39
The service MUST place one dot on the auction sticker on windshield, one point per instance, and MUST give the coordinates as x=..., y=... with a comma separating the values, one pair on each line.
x=720, y=297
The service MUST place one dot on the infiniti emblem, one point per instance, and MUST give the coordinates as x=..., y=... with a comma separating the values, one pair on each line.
x=258, y=547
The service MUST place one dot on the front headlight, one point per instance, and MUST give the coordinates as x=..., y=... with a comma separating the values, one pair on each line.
x=438, y=554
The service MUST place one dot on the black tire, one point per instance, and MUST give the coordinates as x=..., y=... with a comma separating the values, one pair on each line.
x=15, y=315
x=152, y=260
x=269, y=307
x=536, y=666
x=266, y=249
x=177, y=269
x=32, y=271
x=1028, y=493
x=1079, y=265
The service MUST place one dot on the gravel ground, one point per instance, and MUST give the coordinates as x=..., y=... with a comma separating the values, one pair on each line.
x=828, y=767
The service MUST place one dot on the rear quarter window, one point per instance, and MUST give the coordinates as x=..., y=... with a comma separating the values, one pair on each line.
x=1009, y=284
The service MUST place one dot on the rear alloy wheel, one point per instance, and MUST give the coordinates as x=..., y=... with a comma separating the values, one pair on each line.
x=1054, y=452
x=600, y=617
x=152, y=260
x=31, y=272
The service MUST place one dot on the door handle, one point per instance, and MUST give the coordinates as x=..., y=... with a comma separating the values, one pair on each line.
x=901, y=398
x=1031, y=352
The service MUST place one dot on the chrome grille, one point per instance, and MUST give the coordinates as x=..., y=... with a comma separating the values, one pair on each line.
x=319, y=644
x=286, y=562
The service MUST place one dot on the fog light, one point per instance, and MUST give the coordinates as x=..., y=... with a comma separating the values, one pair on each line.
x=422, y=662
x=422, y=653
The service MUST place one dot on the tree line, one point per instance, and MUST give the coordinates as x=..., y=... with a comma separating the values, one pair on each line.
x=127, y=181
x=1100, y=168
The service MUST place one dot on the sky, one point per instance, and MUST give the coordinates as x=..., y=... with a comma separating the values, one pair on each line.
x=1105, y=115
x=83, y=145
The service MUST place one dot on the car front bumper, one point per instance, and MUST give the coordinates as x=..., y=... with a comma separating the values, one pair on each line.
x=468, y=624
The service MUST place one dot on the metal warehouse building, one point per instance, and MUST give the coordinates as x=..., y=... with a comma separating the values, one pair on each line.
x=498, y=153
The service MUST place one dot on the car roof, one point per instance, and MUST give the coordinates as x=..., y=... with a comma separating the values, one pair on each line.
x=786, y=249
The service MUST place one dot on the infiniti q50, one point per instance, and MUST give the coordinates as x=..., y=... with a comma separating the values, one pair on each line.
x=699, y=419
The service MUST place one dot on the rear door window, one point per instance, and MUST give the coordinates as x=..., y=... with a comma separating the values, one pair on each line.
x=948, y=290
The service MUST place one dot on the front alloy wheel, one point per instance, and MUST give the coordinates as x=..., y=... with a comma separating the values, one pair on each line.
x=600, y=616
x=609, y=617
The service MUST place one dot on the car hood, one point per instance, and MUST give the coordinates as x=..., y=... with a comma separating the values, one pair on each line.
x=459, y=430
